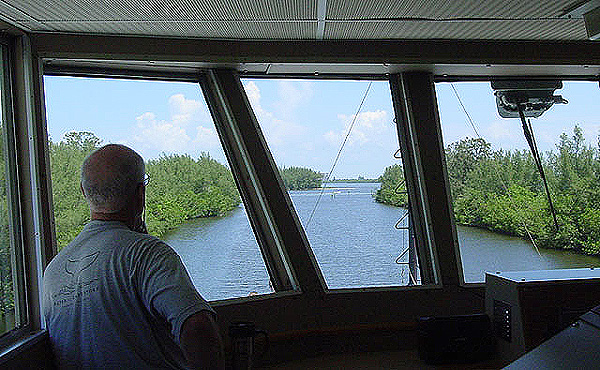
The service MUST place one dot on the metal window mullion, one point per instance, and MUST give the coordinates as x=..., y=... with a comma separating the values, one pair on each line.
x=426, y=248
x=277, y=226
x=15, y=240
x=245, y=175
x=27, y=134
x=413, y=170
x=427, y=131
x=424, y=134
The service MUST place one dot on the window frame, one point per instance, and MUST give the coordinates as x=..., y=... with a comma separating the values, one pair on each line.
x=487, y=79
x=288, y=257
x=448, y=60
x=257, y=200
x=242, y=141
x=23, y=319
x=413, y=171
x=444, y=258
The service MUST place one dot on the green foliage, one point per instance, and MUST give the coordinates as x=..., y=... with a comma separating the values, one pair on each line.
x=300, y=178
x=462, y=158
x=71, y=211
x=7, y=303
x=392, y=190
x=502, y=191
x=180, y=188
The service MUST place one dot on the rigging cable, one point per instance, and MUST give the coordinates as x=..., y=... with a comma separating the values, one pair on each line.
x=528, y=131
x=499, y=176
x=465, y=110
x=337, y=157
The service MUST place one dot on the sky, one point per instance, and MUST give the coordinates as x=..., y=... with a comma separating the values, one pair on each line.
x=305, y=122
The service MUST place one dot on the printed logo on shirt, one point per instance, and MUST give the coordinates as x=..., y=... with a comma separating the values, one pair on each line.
x=75, y=267
x=78, y=286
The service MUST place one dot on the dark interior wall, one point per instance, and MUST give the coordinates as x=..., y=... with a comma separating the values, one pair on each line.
x=35, y=353
x=300, y=326
x=365, y=320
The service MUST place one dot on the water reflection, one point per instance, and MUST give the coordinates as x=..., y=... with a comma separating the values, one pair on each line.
x=222, y=256
x=354, y=241
x=483, y=250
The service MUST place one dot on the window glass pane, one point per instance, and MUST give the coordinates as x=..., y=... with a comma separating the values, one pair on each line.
x=503, y=217
x=192, y=202
x=8, y=291
x=333, y=162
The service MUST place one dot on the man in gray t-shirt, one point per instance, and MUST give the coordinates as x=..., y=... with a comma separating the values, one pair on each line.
x=116, y=297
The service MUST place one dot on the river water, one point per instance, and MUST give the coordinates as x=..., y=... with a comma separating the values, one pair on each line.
x=354, y=241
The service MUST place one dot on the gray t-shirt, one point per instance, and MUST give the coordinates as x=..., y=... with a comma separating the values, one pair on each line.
x=115, y=298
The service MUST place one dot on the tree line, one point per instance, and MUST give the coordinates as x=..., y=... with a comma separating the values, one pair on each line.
x=180, y=188
x=300, y=178
x=498, y=190
x=502, y=191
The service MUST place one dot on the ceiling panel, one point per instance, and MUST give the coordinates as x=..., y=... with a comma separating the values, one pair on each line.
x=356, y=9
x=230, y=30
x=297, y=19
x=9, y=14
x=522, y=30
x=144, y=10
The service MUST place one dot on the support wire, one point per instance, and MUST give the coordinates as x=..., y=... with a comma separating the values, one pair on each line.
x=337, y=157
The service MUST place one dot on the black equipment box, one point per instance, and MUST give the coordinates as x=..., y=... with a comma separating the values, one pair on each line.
x=455, y=339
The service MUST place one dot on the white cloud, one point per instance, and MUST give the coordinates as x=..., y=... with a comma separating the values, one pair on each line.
x=162, y=135
x=370, y=128
x=207, y=137
x=148, y=116
x=500, y=130
x=334, y=138
x=253, y=93
x=185, y=130
x=183, y=110
x=294, y=94
x=278, y=132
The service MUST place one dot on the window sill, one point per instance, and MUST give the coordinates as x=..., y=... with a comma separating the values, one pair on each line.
x=13, y=350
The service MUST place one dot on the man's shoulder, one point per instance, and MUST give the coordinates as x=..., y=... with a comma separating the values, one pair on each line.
x=151, y=244
x=112, y=239
x=139, y=244
x=116, y=231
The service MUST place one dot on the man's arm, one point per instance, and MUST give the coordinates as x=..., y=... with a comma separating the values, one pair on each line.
x=201, y=341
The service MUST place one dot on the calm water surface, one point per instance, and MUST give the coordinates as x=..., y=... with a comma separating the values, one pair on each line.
x=354, y=242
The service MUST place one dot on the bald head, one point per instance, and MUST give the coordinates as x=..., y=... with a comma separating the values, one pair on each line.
x=110, y=176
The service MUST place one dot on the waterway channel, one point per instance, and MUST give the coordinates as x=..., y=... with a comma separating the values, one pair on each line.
x=354, y=242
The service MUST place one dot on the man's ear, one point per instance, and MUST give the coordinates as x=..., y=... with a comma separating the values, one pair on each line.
x=141, y=195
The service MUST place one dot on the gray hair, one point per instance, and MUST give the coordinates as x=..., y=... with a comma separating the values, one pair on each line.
x=110, y=176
